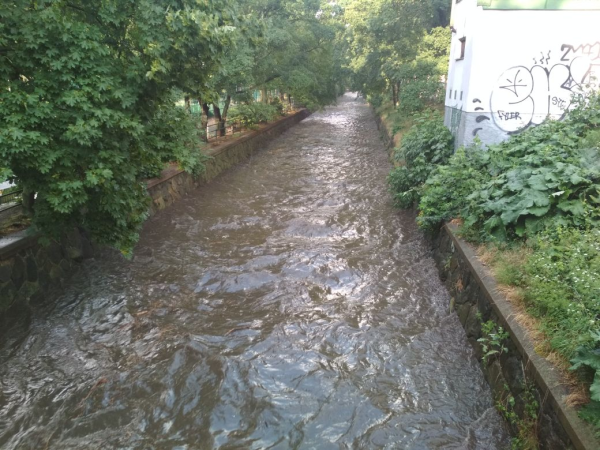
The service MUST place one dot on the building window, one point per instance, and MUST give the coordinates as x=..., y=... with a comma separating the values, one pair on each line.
x=463, y=42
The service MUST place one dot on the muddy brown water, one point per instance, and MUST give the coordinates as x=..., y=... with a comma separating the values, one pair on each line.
x=286, y=305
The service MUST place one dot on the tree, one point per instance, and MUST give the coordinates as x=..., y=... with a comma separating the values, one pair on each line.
x=87, y=108
x=395, y=48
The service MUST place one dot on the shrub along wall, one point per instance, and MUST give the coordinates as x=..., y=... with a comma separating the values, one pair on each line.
x=28, y=269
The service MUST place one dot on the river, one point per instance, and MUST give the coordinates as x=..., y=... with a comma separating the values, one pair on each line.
x=288, y=304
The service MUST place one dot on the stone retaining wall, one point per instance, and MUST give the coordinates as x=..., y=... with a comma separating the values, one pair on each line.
x=175, y=183
x=476, y=300
x=28, y=269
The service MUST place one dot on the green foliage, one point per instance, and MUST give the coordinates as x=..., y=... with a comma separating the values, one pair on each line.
x=427, y=144
x=87, y=93
x=419, y=85
x=398, y=48
x=276, y=103
x=86, y=100
x=547, y=176
x=563, y=287
x=526, y=438
x=253, y=113
x=5, y=174
x=446, y=193
x=588, y=359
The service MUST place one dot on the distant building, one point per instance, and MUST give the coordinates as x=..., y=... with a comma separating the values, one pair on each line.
x=513, y=63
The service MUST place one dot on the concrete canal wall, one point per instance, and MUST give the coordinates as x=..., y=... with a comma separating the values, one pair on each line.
x=519, y=372
x=28, y=270
x=476, y=300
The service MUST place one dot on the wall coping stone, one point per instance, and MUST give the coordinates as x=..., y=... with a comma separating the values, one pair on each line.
x=545, y=374
x=15, y=242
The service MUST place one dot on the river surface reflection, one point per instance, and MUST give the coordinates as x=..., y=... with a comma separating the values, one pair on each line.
x=286, y=305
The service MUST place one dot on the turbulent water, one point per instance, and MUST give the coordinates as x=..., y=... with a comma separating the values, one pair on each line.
x=286, y=305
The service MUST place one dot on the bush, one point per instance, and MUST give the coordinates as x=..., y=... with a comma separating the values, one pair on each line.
x=446, y=192
x=419, y=85
x=276, y=103
x=427, y=144
x=547, y=176
x=252, y=114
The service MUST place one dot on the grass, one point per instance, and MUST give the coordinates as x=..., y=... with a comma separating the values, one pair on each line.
x=512, y=269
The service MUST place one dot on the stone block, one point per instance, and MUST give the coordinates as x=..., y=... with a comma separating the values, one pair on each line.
x=65, y=265
x=6, y=267
x=31, y=269
x=473, y=323
x=73, y=245
x=54, y=252
x=8, y=292
x=87, y=248
x=463, y=313
x=18, y=272
x=56, y=273
x=28, y=290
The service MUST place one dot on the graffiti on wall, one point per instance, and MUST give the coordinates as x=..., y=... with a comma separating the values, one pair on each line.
x=527, y=95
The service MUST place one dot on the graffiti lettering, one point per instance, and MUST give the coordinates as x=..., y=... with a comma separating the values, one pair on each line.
x=560, y=103
x=592, y=51
x=503, y=115
x=525, y=96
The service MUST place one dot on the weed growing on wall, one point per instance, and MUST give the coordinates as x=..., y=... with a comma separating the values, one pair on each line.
x=492, y=341
x=526, y=425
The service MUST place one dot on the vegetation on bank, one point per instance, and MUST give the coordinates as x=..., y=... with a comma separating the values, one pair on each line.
x=534, y=202
x=90, y=94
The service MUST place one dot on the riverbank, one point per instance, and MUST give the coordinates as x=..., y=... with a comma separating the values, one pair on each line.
x=28, y=269
x=532, y=391
x=285, y=304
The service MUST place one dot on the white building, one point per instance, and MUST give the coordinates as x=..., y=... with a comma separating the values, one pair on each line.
x=514, y=63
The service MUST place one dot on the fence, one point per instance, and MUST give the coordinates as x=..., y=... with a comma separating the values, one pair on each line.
x=214, y=132
x=10, y=205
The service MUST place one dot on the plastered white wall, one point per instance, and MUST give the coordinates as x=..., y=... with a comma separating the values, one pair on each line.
x=520, y=67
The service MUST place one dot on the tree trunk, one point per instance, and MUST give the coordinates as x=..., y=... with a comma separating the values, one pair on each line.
x=28, y=201
x=204, y=118
x=265, y=96
x=219, y=118
x=188, y=106
x=224, y=115
x=395, y=94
